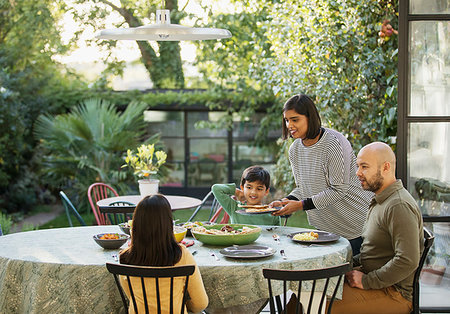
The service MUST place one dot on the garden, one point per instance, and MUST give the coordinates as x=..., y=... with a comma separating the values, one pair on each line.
x=63, y=131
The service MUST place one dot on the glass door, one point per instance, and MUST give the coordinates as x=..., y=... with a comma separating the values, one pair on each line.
x=423, y=148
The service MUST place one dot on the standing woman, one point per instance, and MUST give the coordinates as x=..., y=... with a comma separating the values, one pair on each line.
x=153, y=244
x=324, y=168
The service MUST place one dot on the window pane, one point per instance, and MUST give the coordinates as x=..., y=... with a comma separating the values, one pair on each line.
x=429, y=166
x=430, y=68
x=194, y=117
x=435, y=278
x=168, y=123
x=250, y=127
x=176, y=175
x=208, y=162
x=429, y=6
x=174, y=148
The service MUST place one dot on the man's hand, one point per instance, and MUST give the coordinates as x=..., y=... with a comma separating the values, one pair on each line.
x=289, y=207
x=354, y=278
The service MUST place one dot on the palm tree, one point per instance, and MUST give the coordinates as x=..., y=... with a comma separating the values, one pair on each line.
x=88, y=144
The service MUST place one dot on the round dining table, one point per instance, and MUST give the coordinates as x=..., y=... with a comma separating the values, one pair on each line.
x=63, y=270
x=127, y=203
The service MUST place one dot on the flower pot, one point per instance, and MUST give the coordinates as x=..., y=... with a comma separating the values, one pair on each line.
x=148, y=187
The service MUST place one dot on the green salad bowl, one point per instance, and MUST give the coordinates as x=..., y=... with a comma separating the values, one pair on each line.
x=230, y=238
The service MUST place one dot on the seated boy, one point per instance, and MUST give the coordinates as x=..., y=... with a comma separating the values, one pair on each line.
x=255, y=183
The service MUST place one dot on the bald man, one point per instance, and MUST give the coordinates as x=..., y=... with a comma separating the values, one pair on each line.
x=392, y=241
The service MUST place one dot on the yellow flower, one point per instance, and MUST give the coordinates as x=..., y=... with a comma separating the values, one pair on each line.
x=146, y=161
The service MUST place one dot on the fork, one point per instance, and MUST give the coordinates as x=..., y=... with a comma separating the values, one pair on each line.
x=283, y=254
x=215, y=256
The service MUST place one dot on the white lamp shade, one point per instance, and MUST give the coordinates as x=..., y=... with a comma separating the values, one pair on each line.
x=163, y=31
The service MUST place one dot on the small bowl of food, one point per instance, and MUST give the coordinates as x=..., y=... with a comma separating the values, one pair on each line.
x=126, y=226
x=111, y=241
x=179, y=233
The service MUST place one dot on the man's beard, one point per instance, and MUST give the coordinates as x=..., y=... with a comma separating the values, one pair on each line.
x=376, y=183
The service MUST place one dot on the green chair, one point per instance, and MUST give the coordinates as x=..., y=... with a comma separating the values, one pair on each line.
x=70, y=209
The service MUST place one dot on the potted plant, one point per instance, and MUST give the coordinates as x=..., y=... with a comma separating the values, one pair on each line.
x=146, y=163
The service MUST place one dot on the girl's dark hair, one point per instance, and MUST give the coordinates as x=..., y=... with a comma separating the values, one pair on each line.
x=256, y=173
x=303, y=105
x=152, y=240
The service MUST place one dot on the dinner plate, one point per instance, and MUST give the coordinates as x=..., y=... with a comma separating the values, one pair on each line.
x=323, y=237
x=268, y=211
x=248, y=251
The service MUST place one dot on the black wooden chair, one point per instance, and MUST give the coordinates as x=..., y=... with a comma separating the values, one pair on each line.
x=151, y=272
x=304, y=275
x=429, y=239
x=115, y=216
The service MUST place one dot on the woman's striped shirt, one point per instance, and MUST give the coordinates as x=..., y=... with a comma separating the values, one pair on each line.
x=326, y=173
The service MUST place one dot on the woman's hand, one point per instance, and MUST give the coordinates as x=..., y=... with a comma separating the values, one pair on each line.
x=289, y=207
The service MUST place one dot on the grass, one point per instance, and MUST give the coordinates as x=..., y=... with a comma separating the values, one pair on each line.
x=62, y=222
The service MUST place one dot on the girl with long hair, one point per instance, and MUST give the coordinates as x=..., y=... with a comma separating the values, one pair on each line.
x=153, y=244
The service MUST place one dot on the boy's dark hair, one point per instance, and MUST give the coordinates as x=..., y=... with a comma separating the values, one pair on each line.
x=305, y=106
x=256, y=173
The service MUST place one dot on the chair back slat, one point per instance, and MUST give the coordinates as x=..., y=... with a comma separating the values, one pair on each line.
x=144, y=293
x=131, y=294
x=304, y=275
x=313, y=289
x=158, y=297
x=96, y=192
x=122, y=294
x=334, y=293
x=184, y=294
x=428, y=242
x=323, y=298
x=143, y=272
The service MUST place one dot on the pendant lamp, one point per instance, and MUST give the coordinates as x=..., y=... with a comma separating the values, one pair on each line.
x=163, y=31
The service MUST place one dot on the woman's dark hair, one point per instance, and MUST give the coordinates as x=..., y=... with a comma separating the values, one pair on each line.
x=152, y=240
x=303, y=105
x=256, y=173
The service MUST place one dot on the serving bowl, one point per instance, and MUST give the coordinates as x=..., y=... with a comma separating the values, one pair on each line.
x=190, y=225
x=179, y=233
x=125, y=227
x=111, y=244
x=230, y=238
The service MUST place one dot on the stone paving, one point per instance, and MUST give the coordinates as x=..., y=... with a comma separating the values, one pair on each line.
x=38, y=219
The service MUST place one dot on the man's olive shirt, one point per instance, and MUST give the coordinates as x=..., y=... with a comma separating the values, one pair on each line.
x=393, y=241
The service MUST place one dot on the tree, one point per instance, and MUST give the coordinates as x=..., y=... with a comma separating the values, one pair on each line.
x=162, y=60
x=328, y=49
x=28, y=39
x=88, y=144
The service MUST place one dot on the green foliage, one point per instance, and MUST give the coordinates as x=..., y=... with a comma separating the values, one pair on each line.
x=161, y=59
x=87, y=145
x=283, y=179
x=333, y=54
x=327, y=49
x=5, y=223
x=28, y=39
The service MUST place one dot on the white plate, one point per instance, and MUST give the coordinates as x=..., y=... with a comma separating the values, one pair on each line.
x=324, y=237
x=248, y=251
